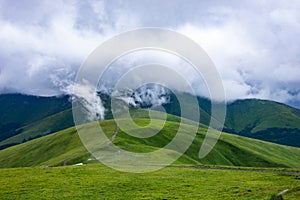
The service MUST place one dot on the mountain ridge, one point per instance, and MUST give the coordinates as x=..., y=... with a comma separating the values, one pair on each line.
x=65, y=147
x=261, y=119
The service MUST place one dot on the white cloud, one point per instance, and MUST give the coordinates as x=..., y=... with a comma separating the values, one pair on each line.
x=256, y=51
x=37, y=50
x=254, y=44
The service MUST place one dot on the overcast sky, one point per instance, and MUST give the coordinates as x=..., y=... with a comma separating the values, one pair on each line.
x=254, y=44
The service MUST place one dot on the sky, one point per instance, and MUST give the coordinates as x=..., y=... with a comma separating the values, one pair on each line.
x=255, y=45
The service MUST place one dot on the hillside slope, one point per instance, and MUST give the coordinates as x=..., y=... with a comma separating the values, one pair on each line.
x=18, y=111
x=231, y=150
x=261, y=119
x=45, y=126
x=23, y=118
x=24, y=109
x=264, y=120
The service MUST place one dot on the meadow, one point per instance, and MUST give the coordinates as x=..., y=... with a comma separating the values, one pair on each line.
x=96, y=181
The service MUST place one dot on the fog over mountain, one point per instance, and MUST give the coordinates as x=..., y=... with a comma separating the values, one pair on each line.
x=255, y=45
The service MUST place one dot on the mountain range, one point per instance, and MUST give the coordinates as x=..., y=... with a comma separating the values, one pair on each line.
x=23, y=117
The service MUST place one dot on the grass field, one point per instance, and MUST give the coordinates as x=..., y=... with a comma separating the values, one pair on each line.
x=96, y=181
x=237, y=167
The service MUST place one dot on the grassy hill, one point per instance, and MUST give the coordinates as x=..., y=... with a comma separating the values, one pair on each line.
x=23, y=109
x=264, y=120
x=261, y=119
x=231, y=150
x=21, y=114
x=249, y=172
x=23, y=118
x=45, y=126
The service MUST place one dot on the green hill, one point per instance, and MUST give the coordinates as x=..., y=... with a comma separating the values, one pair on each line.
x=261, y=119
x=21, y=113
x=23, y=118
x=254, y=118
x=264, y=120
x=24, y=109
x=45, y=126
x=231, y=150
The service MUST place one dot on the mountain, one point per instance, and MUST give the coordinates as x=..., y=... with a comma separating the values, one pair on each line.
x=261, y=119
x=264, y=120
x=65, y=147
x=23, y=118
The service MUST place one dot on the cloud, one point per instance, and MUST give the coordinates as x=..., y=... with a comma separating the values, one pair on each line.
x=33, y=51
x=255, y=50
x=85, y=97
x=254, y=44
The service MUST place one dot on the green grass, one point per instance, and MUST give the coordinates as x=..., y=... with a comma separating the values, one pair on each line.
x=25, y=117
x=237, y=167
x=100, y=182
x=256, y=115
x=47, y=125
x=231, y=150
x=264, y=120
x=25, y=109
x=48, y=150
